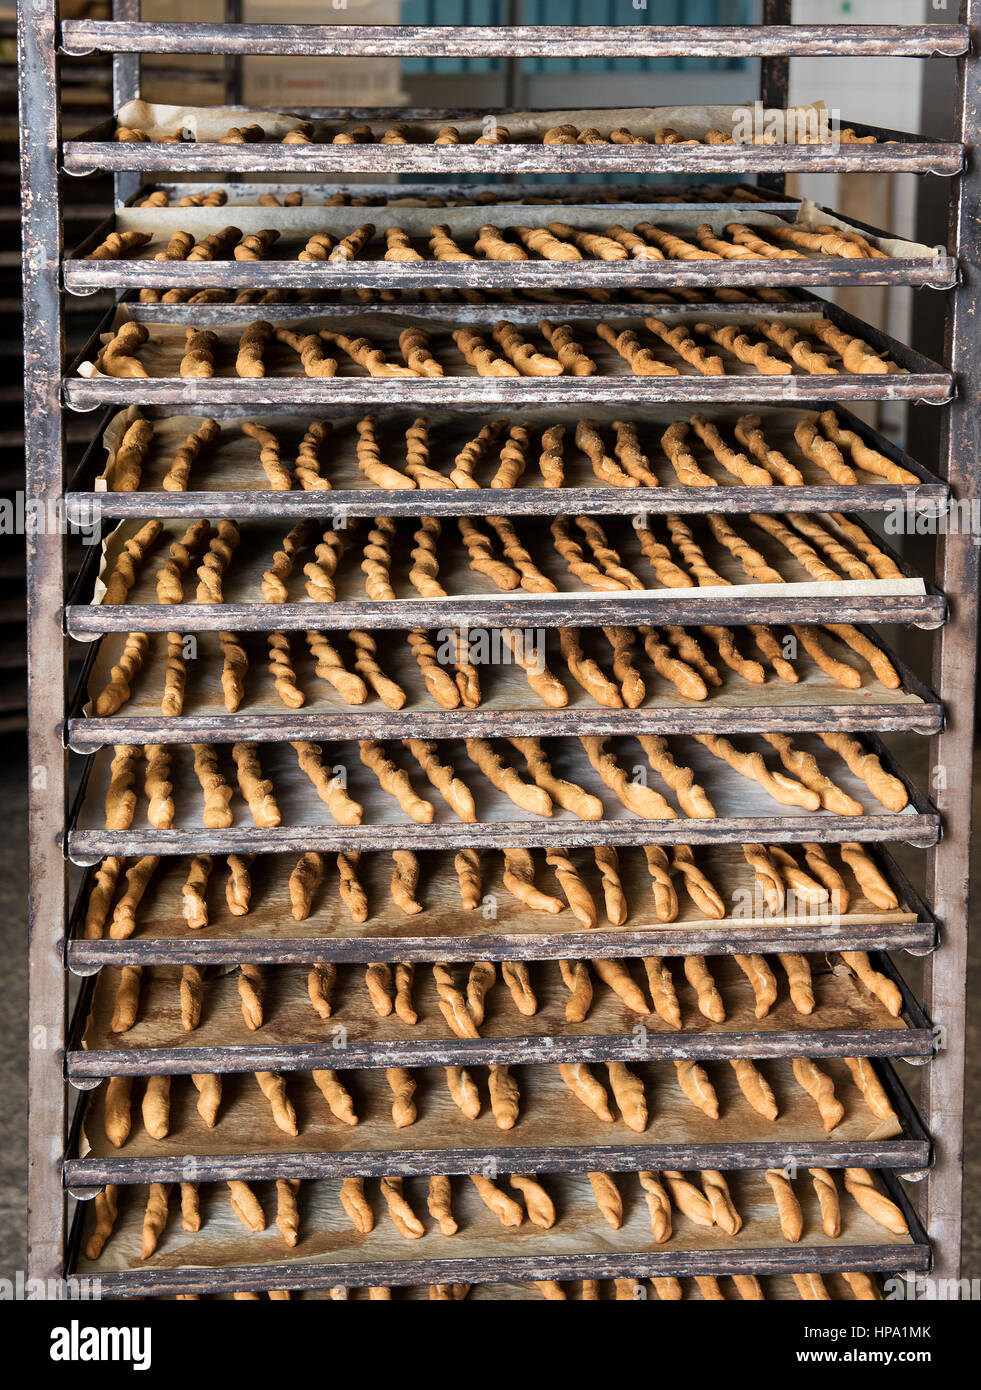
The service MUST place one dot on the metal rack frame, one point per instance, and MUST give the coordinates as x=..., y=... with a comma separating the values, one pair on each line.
x=49, y=389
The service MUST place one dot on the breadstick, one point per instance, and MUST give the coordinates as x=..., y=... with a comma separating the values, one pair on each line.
x=506, y=779
x=466, y=461
x=154, y=1218
x=118, y=357
x=405, y=880
x=376, y=564
x=217, y=793
x=118, y=688
x=106, y=1211
x=700, y=978
x=505, y=1208
x=320, y=982
x=575, y=977
x=687, y=681
x=804, y=887
x=453, y=1003
x=696, y=1086
x=827, y=1194
x=691, y=796
x=586, y=672
x=855, y=353
x=885, y=990
x=539, y=1205
x=344, y=809
x=515, y=976
x=370, y=461
x=641, y=800
x=516, y=555
x=884, y=787
x=118, y=1120
x=861, y=1185
x=351, y=891
x=862, y=455
x=688, y=1199
x=665, y=898
x=403, y=1089
x=789, y=1212
x=120, y=801
x=615, y=974
x=628, y=1091
x=661, y=986
x=356, y=1204
x=128, y=562
x=862, y=1286
x=378, y=981
x=737, y=341
x=570, y=353
x=627, y=345
x=829, y=877
x=191, y=996
x=331, y=668
x=395, y=781
x=574, y=557
x=366, y=664
x=724, y=1212
x=519, y=879
x=215, y=562
x=805, y=767
x=749, y=434
x=755, y=1087
x=586, y=1088
x=505, y=1097
x=104, y=880
x=138, y=878
x=614, y=899
x=762, y=979
x=820, y=1088
x=238, y=887
x=530, y=657
x=439, y=1203
x=439, y=683
x=873, y=1091
x=453, y=790
x=799, y=979
x=156, y=1106
x=882, y=667
x=608, y=1198
x=273, y=1087
x=678, y=338
x=361, y=351
x=415, y=349
x=872, y=883
x=463, y=1091
x=466, y=863
x=246, y=1206
x=781, y=788
x=659, y=1208
x=257, y=790
x=209, y=1096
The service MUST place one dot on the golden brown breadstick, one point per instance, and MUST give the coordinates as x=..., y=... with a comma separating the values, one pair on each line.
x=860, y=1184
x=505, y=1208
x=118, y=1120
x=404, y=881
x=355, y=1203
x=209, y=1096
x=395, y=781
x=872, y=883
x=695, y=1084
x=885, y=990
x=403, y=1089
x=866, y=766
x=273, y=1087
x=249, y=980
x=155, y=1217
x=665, y=898
x=586, y=1088
x=257, y=790
x=505, y=1097
x=615, y=902
x=575, y=977
x=755, y=1087
x=104, y=881
x=628, y=1092
x=127, y=1000
x=640, y=799
x=820, y=1088
x=519, y=879
x=789, y=1212
x=515, y=976
x=453, y=1003
x=700, y=978
x=762, y=979
x=344, y=809
x=320, y=982
x=336, y=1095
x=615, y=974
x=781, y=788
x=217, y=793
x=439, y=1203
x=238, y=887
x=805, y=767
x=106, y=1211
x=466, y=863
x=799, y=979
x=138, y=878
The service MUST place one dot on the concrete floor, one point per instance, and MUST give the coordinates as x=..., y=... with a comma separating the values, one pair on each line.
x=13, y=1028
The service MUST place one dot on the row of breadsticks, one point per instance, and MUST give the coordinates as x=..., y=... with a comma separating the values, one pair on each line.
x=712, y=347
x=617, y=461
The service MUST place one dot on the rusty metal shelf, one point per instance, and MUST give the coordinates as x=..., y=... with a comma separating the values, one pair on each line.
x=81, y=37
x=221, y=1256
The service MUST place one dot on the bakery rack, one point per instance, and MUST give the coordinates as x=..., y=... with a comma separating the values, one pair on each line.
x=928, y=1031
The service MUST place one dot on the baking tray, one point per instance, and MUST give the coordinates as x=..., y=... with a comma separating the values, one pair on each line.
x=744, y=810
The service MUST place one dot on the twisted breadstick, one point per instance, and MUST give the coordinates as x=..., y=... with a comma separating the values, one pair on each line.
x=366, y=664
x=885, y=990
x=281, y=669
x=515, y=976
x=567, y=349
x=789, y=1212
x=463, y=1090
x=528, y=361
x=330, y=668
x=820, y=1088
x=506, y=779
x=627, y=345
x=104, y=880
x=691, y=796
x=257, y=790
x=129, y=561
x=505, y=1098
x=332, y=793
x=762, y=979
x=454, y=791
x=586, y=1088
x=865, y=765
x=755, y=1088
x=873, y=1092
x=805, y=767
x=126, y=1003
x=466, y=864
x=215, y=562
x=781, y=788
x=860, y=1184
x=519, y=879
x=453, y=1003
x=138, y=878
x=118, y=688
x=425, y=564
x=678, y=338
x=799, y=979
x=641, y=800
x=120, y=801
x=575, y=977
x=665, y=897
